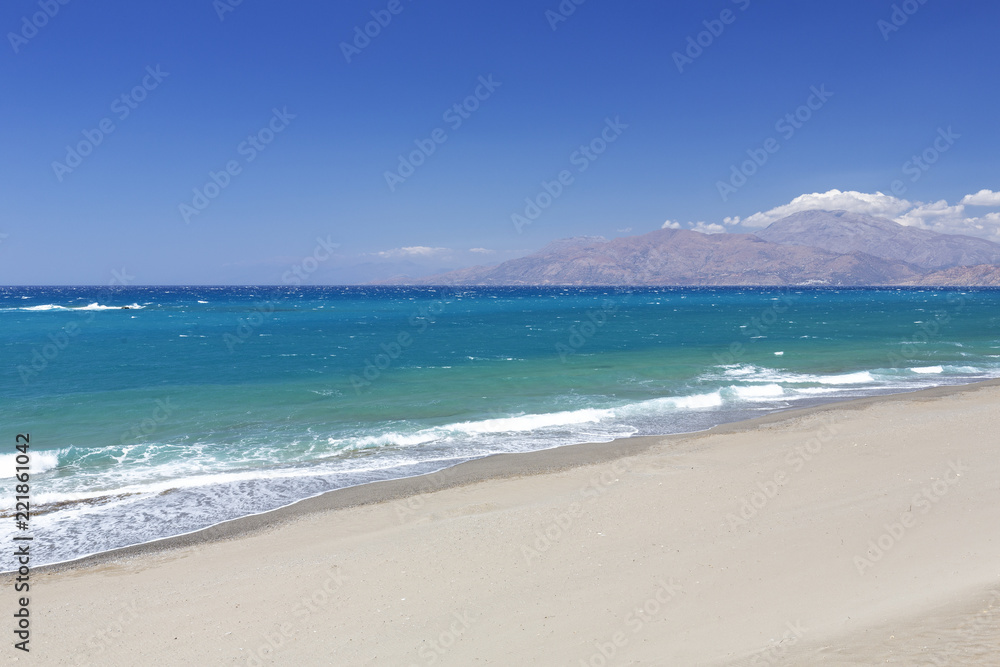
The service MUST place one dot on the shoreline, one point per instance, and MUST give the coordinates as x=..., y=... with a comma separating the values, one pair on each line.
x=492, y=467
x=853, y=532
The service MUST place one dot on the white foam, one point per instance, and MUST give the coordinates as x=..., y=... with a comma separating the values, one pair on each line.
x=740, y=370
x=91, y=306
x=864, y=377
x=928, y=369
x=40, y=462
x=97, y=306
x=393, y=438
x=697, y=401
x=750, y=373
x=531, y=422
x=759, y=391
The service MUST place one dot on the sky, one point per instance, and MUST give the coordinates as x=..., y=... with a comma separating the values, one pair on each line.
x=253, y=142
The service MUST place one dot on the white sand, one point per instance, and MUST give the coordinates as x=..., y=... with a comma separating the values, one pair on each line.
x=647, y=560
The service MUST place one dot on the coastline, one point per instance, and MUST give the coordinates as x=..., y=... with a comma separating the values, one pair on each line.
x=497, y=466
x=800, y=537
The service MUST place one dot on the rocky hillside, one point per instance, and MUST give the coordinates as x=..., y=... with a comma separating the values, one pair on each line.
x=844, y=232
x=844, y=249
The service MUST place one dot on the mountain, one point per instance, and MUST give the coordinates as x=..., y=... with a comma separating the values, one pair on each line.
x=965, y=276
x=852, y=250
x=843, y=232
x=680, y=257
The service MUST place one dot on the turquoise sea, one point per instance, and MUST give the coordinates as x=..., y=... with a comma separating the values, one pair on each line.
x=195, y=405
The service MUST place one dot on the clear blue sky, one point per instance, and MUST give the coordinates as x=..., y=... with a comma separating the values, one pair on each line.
x=323, y=175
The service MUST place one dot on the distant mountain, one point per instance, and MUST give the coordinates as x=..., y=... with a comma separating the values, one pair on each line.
x=852, y=250
x=843, y=232
x=966, y=276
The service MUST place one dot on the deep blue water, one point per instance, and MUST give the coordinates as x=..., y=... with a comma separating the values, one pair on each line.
x=197, y=405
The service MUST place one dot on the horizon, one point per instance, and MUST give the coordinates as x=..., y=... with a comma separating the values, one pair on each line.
x=224, y=143
x=299, y=276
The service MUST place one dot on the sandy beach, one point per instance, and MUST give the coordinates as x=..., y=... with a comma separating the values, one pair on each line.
x=857, y=533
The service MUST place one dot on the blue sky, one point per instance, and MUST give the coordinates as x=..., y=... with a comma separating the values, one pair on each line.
x=207, y=84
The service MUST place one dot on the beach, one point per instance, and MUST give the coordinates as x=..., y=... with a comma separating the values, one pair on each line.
x=861, y=532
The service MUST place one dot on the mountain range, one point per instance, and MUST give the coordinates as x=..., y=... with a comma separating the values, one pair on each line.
x=817, y=247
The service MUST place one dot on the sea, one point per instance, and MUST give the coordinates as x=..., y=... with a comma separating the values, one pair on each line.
x=158, y=411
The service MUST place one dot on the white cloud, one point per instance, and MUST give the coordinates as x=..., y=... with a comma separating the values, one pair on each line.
x=878, y=204
x=982, y=198
x=939, y=216
x=482, y=251
x=671, y=224
x=707, y=228
x=625, y=231
x=412, y=251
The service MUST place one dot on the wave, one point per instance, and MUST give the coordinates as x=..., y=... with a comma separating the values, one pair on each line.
x=751, y=373
x=91, y=306
x=531, y=422
x=41, y=461
x=928, y=369
x=697, y=401
x=758, y=391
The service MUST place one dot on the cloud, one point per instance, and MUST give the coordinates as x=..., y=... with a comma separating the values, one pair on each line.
x=412, y=251
x=707, y=228
x=982, y=198
x=671, y=224
x=878, y=204
x=938, y=216
x=625, y=231
x=941, y=217
x=482, y=251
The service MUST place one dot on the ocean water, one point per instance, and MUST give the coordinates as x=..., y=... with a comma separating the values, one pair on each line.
x=197, y=405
